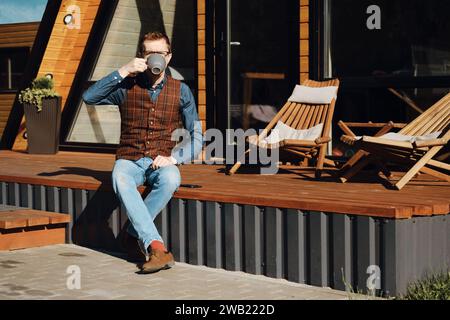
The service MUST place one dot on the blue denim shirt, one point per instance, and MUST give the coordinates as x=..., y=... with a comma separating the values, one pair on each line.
x=112, y=90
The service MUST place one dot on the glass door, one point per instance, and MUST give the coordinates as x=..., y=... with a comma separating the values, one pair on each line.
x=257, y=55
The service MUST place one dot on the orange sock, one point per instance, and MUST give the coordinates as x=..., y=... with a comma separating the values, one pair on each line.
x=157, y=245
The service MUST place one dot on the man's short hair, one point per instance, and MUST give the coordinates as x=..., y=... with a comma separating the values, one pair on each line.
x=150, y=37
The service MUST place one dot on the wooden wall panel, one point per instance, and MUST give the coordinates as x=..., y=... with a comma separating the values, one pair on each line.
x=6, y=102
x=201, y=28
x=64, y=51
x=304, y=40
x=18, y=34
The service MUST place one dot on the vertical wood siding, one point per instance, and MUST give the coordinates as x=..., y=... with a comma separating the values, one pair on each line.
x=14, y=35
x=304, y=40
x=201, y=57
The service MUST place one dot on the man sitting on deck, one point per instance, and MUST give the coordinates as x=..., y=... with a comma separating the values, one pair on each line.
x=152, y=105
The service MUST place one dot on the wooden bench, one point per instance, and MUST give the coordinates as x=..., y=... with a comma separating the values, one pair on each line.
x=22, y=228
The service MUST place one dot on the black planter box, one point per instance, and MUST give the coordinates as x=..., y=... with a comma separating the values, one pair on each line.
x=43, y=127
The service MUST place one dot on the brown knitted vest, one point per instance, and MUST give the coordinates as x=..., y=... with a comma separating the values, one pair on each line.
x=146, y=127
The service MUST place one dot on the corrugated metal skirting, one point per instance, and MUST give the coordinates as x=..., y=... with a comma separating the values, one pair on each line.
x=317, y=248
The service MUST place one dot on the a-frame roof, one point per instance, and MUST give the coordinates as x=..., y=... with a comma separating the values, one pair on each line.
x=59, y=50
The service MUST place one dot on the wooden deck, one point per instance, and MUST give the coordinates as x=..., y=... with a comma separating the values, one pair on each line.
x=290, y=188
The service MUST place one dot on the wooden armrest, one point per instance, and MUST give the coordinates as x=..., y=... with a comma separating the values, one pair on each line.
x=385, y=127
x=344, y=127
x=430, y=143
x=322, y=140
x=306, y=143
x=387, y=142
x=298, y=143
x=371, y=124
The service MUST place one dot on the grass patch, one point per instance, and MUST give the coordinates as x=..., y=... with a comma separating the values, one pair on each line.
x=434, y=287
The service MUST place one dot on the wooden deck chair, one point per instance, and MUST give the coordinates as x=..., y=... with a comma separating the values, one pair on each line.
x=426, y=136
x=301, y=116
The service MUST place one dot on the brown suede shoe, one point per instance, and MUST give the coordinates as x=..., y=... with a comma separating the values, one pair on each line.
x=159, y=260
x=134, y=252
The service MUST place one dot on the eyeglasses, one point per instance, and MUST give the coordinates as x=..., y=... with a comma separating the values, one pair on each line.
x=163, y=53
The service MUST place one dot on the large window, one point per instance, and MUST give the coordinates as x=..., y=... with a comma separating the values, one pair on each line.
x=12, y=67
x=401, y=37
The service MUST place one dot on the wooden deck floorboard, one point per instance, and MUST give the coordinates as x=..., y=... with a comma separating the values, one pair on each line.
x=290, y=188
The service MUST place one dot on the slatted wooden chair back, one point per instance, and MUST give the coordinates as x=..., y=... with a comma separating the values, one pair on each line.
x=305, y=116
x=436, y=118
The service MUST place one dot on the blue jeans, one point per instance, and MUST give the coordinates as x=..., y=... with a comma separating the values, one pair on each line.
x=127, y=175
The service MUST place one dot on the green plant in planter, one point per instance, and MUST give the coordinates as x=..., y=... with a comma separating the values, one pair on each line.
x=40, y=88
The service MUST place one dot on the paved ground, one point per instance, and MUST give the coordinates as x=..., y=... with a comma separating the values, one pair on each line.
x=49, y=272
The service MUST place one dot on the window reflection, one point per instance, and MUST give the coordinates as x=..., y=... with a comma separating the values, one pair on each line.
x=413, y=39
x=12, y=67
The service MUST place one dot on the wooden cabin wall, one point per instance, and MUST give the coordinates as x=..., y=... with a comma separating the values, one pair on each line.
x=6, y=102
x=201, y=59
x=14, y=35
x=66, y=47
x=304, y=40
x=64, y=51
